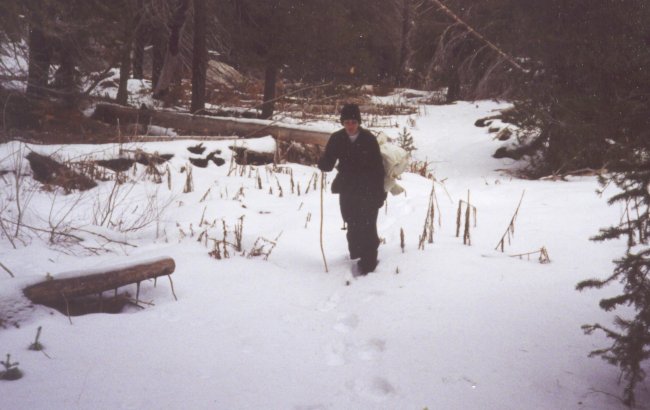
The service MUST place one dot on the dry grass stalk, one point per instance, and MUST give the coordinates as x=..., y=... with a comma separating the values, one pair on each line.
x=308, y=219
x=401, y=239
x=313, y=178
x=459, y=214
x=419, y=167
x=263, y=247
x=232, y=167
x=205, y=195
x=429, y=225
x=189, y=180
x=216, y=251
x=467, y=240
x=225, y=240
x=203, y=235
x=239, y=232
x=181, y=232
x=543, y=255
x=280, y=194
x=510, y=230
x=239, y=195
x=153, y=171
x=169, y=177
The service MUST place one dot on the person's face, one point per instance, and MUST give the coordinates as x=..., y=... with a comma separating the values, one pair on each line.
x=351, y=126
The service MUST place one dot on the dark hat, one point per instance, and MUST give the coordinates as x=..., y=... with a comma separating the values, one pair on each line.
x=350, y=112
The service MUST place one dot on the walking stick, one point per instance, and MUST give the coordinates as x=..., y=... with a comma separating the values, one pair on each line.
x=322, y=190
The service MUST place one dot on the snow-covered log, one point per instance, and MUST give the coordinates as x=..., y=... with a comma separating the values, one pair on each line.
x=207, y=125
x=61, y=290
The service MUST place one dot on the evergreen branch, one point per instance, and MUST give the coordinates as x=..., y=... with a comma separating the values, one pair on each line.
x=611, y=303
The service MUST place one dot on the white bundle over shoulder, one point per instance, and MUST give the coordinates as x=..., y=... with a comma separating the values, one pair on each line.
x=396, y=160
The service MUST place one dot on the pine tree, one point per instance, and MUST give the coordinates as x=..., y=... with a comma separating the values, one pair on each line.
x=631, y=342
x=405, y=141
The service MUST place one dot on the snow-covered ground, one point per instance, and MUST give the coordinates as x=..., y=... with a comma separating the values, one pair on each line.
x=448, y=327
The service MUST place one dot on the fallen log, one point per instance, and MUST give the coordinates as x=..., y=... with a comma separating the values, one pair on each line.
x=57, y=291
x=207, y=125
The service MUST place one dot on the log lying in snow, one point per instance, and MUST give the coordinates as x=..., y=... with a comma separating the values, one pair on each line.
x=60, y=290
x=207, y=125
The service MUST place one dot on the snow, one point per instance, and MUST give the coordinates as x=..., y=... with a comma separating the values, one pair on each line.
x=263, y=144
x=160, y=131
x=139, y=91
x=448, y=327
x=13, y=65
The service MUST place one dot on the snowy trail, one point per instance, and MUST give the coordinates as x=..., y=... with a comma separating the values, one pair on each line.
x=447, y=327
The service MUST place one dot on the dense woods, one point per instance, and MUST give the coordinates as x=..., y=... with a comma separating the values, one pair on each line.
x=576, y=72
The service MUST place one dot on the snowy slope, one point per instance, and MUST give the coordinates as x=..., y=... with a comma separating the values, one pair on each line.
x=447, y=327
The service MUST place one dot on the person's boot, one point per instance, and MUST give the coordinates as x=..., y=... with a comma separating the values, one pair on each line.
x=366, y=266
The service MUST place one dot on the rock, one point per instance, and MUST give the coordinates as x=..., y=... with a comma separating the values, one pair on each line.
x=504, y=134
x=222, y=74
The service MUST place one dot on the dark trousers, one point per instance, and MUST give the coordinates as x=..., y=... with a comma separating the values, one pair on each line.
x=360, y=214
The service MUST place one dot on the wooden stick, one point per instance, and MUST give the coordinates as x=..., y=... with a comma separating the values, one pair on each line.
x=7, y=269
x=322, y=193
x=171, y=283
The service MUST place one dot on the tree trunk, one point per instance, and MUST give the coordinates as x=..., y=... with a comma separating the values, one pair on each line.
x=141, y=31
x=453, y=88
x=404, y=42
x=172, y=56
x=270, y=76
x=65, y=81
x=199, y=57
x=125, y=69
x=39, y=62
x=158, y=54
x=60, y=290
x=138, y=57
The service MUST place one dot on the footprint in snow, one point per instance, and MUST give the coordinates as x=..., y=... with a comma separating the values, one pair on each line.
x=377, y=389
x=330, y=303
x=346, y=322
x=336, y=353
x=372, y=295
x=371, y=349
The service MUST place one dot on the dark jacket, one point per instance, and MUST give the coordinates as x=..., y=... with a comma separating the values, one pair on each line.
x=360, y=166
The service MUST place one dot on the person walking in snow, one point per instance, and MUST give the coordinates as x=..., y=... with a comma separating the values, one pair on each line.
x=359, y=183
